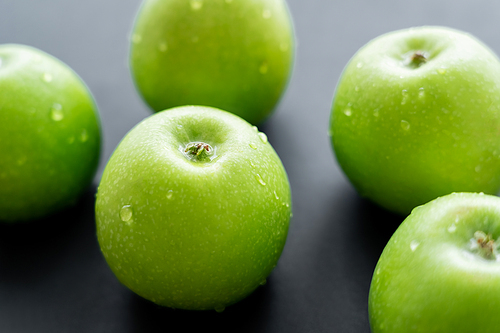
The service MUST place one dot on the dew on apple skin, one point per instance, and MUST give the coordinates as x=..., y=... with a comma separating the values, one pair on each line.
x=478, y=168
x=260, y=180
x=356, y=89
x=196, y=4
x=263, y=68
x=359, y=65
x=413, y=245
x=136, y=38
x=56, y=112
x=405, y=125
x=376, y=112
x=266, y=14
x=255, y=129
x=348, y=112
x=421, y=93
x=276, y=195
x=263, y=137
x=46, y=77
x=442, y=71
x=263, y=282
x=84, y=135
x=170, y=194
x=452, y=228
x=127, y=214
x=252, y=164
x=404, y=100
x=163, y=47
x=252, y=145
x=220, y=309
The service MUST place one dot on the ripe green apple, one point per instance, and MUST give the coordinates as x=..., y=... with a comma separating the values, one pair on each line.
x=193, y=209
x=440, y=271
x=49, y=134
x=416, y=115
x=235, y=55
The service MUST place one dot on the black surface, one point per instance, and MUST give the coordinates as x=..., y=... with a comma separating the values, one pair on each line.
x=53, y=277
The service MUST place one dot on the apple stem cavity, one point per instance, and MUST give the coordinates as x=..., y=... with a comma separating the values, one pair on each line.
x=484, y=245
x=199, y=151
x=415, y=59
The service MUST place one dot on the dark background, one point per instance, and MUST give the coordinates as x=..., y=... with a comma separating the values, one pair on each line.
x=53, y=277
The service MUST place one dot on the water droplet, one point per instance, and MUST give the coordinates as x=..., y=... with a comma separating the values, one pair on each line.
x=136, y=38
x=348, y=112
x=452, y=228
x=84, y=135
x=56, y=112
x=376, y=112
x=220, y=309
x=260, y=180
x=255, y=129
x=127, y=214
x=170, y=194
x=421, y=93
x=442, y=71
x=263, y=282
x=47, y=77
x=405, y=97
x=196, y=4
x=179, y=126
x=477, y=168
x=359, y=65
x=263, y=137
x=276, y=195
x=284, y=47
x=252, y=145
x=266, y=13
x=413, y=245
x=405, y=125
x=163, y=47
x=378, y=271
x=263, y=68
x=356, y=88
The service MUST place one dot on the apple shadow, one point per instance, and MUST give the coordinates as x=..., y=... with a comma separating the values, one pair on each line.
x=29, y=251
x=249, y=315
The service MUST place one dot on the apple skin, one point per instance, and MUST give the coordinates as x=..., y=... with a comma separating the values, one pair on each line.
x=404, y=136
x=234, y=55
x=49, y=134
x=193, y=235
x=429, y=280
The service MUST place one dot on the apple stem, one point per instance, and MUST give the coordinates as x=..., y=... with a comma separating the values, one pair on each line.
x=485, y=245
x=199, y=151
x=417, y=59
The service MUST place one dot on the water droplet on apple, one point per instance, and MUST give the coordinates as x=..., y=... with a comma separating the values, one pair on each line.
x=348, y=112
x=127, y=214
x=266, y=13
x=405, y=97
x=252, y=145
x=452, y=228
x=136, y=38
x=262, y=137
x=378, y=271
x=46, y=77
x=163, y=47
x=263, y=282
x=405, y=125
x=84, y=135
x=263, y=68
x=260, y=180
x=284, y=47
x=220, y=309
x=276, y=195
x=255, y=129
x=413, y=245
x=170, y=194
x=179, y=126
x=421, y=93
x=196, y=4
x=56, y=112
x=376, y=112
x=252, y=165
x=356, y=89
x=477, y=168
x=359, y=65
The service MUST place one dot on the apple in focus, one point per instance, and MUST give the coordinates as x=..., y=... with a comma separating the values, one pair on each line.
x=440, y=271
x=193, y=209
x=49, y=134
x=416, y=115
x=236, y=55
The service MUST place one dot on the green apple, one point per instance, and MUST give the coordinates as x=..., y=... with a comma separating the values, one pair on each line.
x=193, y=209
x=416, y=115
x=235, y=55
x=440, y=271
x=49, y=134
